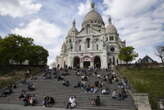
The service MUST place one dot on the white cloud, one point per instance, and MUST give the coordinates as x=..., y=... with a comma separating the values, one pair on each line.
x=119, y=8
x=44, y=33
x=84, y=8
x=18, y=8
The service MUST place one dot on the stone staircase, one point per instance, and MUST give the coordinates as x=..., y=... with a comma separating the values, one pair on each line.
x=54, y=88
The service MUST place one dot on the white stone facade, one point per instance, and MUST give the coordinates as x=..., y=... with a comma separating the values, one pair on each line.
x=94, y=46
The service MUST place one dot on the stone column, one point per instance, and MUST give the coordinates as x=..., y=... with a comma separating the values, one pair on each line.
x=81, y=64
x=104, y=63
x=92, y=64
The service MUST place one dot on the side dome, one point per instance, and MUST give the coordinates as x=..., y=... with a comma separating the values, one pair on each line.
x=110, y=27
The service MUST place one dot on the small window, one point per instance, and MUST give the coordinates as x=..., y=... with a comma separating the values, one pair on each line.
x=97, y=47
x=88, y=43
x=80, y=48
x=71, y=47
x=111, y=38
x=112, y=49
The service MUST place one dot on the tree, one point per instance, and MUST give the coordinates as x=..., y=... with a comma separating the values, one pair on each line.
x=19, y=49
x=127, y=54
x=38, y=55
x=160, y=52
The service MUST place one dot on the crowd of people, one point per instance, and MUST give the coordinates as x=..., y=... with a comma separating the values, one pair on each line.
x=102, y=85
x=27, y=99
x=8, y=90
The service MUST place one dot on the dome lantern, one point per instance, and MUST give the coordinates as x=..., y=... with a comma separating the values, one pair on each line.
x=92, y=5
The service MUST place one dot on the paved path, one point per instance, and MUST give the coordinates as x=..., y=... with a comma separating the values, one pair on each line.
x=20, y=107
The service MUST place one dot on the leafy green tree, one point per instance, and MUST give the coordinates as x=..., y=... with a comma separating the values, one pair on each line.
x=38, y=55
x=19, y=49
x=127, y=54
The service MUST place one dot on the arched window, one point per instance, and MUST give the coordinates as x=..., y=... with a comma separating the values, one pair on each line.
x=111, y=38
x=88, y=43
x=112, y=49
x=113, y=60
x=97, y=47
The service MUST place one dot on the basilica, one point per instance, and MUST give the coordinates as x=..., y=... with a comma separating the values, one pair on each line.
x=93, y=46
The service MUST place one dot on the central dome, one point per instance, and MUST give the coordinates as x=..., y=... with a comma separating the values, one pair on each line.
x=93, y=17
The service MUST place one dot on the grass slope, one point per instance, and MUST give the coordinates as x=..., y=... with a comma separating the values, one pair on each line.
x=9, y=75
x=149, y=80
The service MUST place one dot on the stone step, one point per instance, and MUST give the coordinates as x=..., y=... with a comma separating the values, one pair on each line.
x=20, y=107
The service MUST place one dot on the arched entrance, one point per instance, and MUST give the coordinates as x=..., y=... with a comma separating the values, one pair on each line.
x=109, y=63
x=76, y=62
x=86, y=62
x=113, y=60
x=97, y=62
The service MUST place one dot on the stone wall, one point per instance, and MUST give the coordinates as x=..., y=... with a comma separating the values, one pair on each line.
x=152, y=65
x=141, y=101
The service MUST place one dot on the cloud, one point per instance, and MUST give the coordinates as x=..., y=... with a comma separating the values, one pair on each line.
x=139, y=22
x=119, y=8
x=18, y=8
x=44, y=33
x=84, y=8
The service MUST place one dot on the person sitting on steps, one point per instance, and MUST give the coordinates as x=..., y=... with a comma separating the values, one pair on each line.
x=71, y=102
x=114, y=94
x=31, y=87
x=105, y=91
x=96, y=101
x=66, y=83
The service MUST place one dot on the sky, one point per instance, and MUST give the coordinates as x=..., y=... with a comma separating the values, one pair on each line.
x=139, y=22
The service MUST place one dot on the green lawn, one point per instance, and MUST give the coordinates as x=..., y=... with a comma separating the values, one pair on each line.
x=149, y=80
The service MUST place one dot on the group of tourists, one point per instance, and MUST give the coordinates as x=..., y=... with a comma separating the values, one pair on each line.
x=111, y=77
x=101, y=85
x=27, y=99
x=8, y=90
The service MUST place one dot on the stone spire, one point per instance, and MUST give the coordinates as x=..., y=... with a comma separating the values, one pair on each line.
x=74, y=23
x=73, y=29
x=110, y=20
